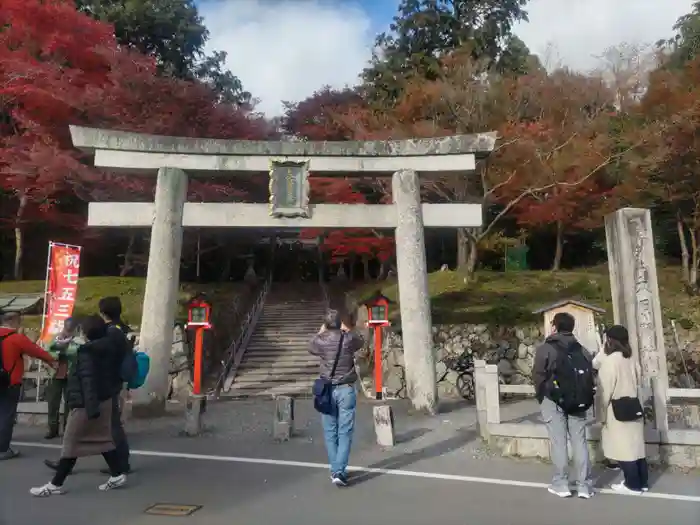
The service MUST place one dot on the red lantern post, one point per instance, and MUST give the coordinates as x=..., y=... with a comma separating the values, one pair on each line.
x=378, y=318
x=199, y=318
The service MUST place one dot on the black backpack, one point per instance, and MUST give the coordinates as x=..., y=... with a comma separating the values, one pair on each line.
x=573, y=383
x=5, y=375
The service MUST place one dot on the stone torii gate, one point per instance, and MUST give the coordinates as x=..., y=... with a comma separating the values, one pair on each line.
x=172, y=159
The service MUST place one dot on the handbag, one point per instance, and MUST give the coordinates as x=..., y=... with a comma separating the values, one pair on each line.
x=323, y=388
x=627, y=409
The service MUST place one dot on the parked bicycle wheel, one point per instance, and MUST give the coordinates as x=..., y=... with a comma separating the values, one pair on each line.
x=465, y=386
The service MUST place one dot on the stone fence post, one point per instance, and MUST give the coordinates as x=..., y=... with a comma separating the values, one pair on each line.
x=486, y=388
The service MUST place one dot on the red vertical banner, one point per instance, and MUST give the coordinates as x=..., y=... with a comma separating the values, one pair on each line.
x=61, y=288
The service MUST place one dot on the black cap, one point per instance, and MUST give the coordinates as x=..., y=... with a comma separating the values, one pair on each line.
x=619, y=333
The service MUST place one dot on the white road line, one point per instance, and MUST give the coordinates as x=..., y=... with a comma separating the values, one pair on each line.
x=369, y=470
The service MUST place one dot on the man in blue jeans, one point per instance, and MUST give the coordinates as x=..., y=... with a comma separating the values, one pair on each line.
x=336, y=338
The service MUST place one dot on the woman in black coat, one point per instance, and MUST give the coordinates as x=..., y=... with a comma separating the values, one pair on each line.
x=89, y=401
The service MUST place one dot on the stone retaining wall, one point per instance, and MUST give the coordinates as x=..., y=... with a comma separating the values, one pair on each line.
x=512, y=349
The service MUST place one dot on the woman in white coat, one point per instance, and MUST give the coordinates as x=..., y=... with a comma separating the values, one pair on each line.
x=623, y=441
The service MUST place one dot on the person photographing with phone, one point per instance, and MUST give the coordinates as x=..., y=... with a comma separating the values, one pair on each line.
x=334, y=392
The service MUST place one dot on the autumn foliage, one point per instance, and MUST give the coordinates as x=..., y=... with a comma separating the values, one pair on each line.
x=60, y=67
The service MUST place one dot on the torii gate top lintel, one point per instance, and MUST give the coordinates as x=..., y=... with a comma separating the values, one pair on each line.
x=92, y=139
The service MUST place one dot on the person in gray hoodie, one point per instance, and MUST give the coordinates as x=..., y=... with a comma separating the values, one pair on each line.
x=337, y=338
x=553, y=386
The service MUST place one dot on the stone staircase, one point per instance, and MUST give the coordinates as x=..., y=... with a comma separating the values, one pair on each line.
x=277, y=360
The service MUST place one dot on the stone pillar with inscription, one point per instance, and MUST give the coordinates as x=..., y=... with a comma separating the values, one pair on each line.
x=636, y=302
x=416, y=320
x=162, y=289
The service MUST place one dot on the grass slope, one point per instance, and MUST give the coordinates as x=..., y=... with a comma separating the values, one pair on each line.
x=129, y=289
x=498, y=298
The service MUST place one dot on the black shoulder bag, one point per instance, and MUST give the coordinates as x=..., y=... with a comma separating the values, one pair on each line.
x=627, y=409
x=323, y=388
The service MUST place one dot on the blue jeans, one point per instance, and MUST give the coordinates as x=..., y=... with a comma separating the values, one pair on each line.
x=338, y=427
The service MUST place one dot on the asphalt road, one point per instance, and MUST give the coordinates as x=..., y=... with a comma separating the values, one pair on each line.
x=437, y=474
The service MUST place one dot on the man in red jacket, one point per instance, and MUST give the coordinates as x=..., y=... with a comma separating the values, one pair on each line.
x=14, y=347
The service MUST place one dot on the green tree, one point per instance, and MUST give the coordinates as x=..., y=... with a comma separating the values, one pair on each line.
x=685, y=44
x=173, y=32
x=425, y=31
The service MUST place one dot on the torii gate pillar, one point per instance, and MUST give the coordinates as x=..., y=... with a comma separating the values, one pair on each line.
x=416, y=320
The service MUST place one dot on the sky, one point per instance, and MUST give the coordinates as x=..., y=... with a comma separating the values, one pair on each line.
x=284, y=50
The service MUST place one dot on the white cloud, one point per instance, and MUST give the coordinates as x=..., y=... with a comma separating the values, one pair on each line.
x=580, y=30
x=287, y=49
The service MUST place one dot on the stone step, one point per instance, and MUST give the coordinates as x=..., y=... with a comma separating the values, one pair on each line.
x=306, y=382
x=272, y=301
x=286, y=322
x=275, y=376
x=272, y=350
x=278, y=342
x=280, y=365
x=291, y=307
x=281, y=336
x=277, y=361
x=290, y=324
x=299, y=309
x=292, y=388
x=269, y=347
x=285, y=331
x=265, y=361
x=281, y=356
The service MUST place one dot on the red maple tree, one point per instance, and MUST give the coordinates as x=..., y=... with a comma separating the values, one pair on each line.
x=49, y=54
x=59, y=67
x=348, y=244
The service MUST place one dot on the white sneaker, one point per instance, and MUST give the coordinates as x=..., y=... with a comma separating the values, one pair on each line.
x=585, y=494
x=46, y=490
x=621, y=488
x=645, y=489
x=113, y=483
x=562, y=493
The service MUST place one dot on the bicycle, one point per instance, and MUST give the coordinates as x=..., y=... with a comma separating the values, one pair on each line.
x=464, y=366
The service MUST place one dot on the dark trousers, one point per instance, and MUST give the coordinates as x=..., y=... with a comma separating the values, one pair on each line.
x=8, y=414
x=54, y=396
x=118, y=434
x=65, y=466
x=636, y=474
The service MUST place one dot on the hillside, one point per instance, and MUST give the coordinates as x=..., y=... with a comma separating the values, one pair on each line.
x=130, y=289
x=498, y=298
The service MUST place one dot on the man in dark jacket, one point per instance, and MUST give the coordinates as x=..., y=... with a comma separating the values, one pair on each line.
x=117, y=330
x=336, y=341
x=560, y=425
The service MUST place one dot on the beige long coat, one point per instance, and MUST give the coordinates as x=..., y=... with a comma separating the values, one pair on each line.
x=619, y=377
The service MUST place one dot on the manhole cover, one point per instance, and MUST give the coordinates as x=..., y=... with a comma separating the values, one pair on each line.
x=172, y=509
